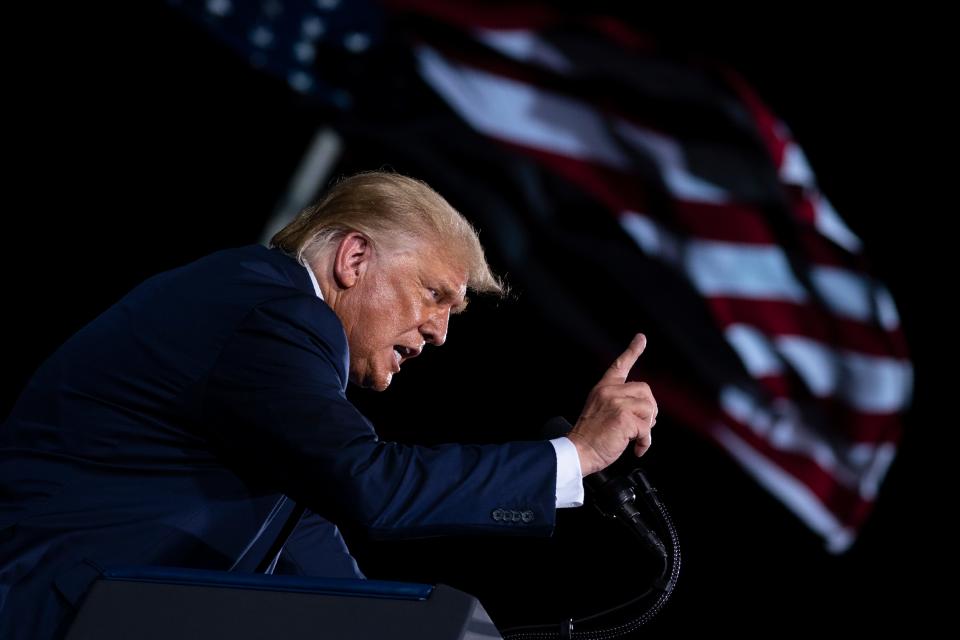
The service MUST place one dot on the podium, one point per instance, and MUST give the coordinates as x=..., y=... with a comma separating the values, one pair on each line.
x=161, y=603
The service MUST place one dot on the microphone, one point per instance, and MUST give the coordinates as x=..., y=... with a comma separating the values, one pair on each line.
x=614, y=496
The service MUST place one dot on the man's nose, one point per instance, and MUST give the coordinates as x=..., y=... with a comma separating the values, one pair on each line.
x=434, y=330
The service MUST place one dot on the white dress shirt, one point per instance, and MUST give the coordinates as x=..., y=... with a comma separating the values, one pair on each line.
x=569, y=477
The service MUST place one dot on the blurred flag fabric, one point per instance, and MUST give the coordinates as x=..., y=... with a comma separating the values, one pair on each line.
x=623, y=184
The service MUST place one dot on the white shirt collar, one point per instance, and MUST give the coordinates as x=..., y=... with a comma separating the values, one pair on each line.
x=313, y=279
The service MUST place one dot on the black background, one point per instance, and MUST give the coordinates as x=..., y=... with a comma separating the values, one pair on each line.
x=138, y=144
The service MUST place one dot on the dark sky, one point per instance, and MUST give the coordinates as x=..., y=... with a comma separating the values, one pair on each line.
x=139, y=145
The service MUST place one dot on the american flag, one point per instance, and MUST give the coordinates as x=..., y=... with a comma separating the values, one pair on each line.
x=707, y=181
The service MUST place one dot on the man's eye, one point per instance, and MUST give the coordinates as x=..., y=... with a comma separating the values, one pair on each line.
x=434, y=294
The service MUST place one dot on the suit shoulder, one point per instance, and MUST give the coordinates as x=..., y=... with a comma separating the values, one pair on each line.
x=291, y=328
x=306, y=309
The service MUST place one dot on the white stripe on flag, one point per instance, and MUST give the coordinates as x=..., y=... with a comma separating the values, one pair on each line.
x=829, y=223
x=521, y=114
x=870, y=384
x=866, y=383
x=742, y=271
x=795, y=169
x=886, y=308
x=509, y=110
x=796, y=495
x=719, y=268
x=673, y=165
x=654, y=240
x=755, y=350
x=523, y=45
x=876, y=461
x=739, y=270
x=781, y=424
x=852, y=296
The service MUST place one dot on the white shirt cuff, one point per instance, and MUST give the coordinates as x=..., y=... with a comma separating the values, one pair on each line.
x=569, y=479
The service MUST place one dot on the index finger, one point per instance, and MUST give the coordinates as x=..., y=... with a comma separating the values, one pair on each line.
x=620, y=369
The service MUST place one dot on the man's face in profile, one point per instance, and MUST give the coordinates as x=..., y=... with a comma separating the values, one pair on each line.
x=402, y=302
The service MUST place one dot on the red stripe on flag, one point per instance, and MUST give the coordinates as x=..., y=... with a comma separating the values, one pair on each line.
x=782, y=318
x=767, y=124
x=845, y=504
x=622, y=34
x=844, y=421
x=849, y=507
x=617, y=190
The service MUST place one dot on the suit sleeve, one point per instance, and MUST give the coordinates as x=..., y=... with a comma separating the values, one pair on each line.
x=274, y=407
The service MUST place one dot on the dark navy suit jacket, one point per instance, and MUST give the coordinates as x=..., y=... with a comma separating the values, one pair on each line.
x=179, y=427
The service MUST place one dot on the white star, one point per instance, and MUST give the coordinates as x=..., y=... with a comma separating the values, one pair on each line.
x=356, y=42
x=219, y=8
x=300, y=80
x=261, y=36
x=304, y=51
x=312, y=27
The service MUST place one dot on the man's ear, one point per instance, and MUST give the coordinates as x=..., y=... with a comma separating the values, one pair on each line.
x=352, y=259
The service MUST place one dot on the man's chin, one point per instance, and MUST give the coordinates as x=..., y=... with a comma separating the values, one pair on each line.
x=381, y=384
x=375, y=382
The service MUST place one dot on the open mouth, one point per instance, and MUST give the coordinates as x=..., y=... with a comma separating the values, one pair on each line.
x=403, y=353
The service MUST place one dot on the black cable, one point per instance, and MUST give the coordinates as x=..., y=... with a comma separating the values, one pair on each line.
x=615, y=497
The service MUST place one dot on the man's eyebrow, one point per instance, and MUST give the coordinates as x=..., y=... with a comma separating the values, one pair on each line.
x=460, y=308
x=447, y=293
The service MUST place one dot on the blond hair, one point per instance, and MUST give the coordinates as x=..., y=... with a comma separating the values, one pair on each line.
x=394, y=212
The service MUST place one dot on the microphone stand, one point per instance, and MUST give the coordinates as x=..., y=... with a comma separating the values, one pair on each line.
x=616, y=498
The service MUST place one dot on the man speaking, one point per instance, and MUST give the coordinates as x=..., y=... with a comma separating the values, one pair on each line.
x=201, y=417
